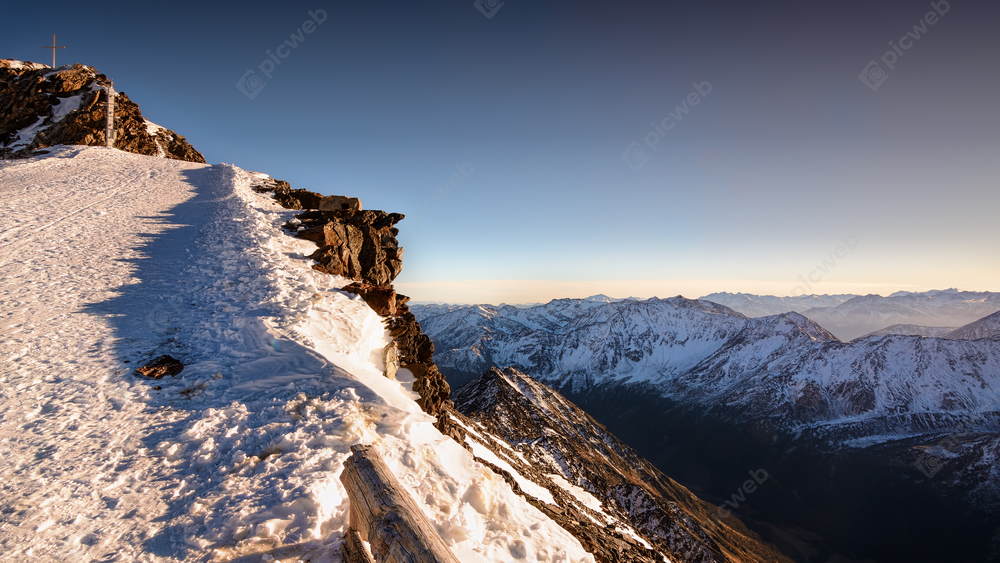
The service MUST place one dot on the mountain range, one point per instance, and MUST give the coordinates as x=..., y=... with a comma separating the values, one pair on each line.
x=784, y=368
x=852, y=316
x=677, y=378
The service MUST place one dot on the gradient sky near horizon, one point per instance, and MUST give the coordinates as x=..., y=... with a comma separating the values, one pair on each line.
x=790, y=155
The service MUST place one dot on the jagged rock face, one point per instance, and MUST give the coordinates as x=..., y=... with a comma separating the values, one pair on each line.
x=618, y=505
x=361, y=245
x=356, y=244
x=382, y=300
x=41, y=107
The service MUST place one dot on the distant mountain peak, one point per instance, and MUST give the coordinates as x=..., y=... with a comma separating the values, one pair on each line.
x=986, y=327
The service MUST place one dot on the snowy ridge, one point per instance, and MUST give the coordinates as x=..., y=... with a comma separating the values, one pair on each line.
x=642, y=340
x=601, y=490
x=241, y=453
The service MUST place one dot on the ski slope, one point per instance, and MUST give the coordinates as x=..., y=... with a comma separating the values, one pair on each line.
x=110, y=259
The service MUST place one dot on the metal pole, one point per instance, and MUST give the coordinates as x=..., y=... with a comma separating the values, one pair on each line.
x=109, y=131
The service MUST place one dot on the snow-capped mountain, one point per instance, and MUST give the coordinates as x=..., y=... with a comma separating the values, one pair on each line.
x=618, y=505
x=855, y=316
x=702, y=390
x=581, y=342
x=912, y=330
x=986, y=327
x=765, y=305
x=42, y=107
x=784, y=367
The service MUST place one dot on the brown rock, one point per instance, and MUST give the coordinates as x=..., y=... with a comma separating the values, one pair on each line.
x=161, y=366
x=297, y=199
x=324, y=235
x=339, y=202
x=382, y=300
x=332, y=260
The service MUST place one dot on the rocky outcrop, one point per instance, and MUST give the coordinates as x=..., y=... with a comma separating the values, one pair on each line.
x=161, y=366
x=41, y=107
x=361, y=245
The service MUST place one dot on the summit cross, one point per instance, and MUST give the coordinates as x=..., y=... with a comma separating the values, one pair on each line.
x=53, y=47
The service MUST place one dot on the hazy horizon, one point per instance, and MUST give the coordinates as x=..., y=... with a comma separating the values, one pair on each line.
x=484, y=290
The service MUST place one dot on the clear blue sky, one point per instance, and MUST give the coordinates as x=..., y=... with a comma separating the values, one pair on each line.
x=787, y=155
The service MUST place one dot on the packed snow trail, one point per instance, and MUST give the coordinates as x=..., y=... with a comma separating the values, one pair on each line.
x=111, y=259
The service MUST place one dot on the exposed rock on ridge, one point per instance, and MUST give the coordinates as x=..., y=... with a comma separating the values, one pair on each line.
x=616, y=503
x=41, y=107
x=361, y=245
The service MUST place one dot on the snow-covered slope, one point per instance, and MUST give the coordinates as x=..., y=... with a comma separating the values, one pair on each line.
x=546, y=442
x=986, y=327
x=581, y=342
x=890, y=385
x=113, y=258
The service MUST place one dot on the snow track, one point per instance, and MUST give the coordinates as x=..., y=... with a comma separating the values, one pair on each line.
x=111, y=259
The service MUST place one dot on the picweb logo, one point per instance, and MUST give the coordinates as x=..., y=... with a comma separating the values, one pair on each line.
x=636, y=156
x=251, y=84
x=873, y=74
x=489, y=8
